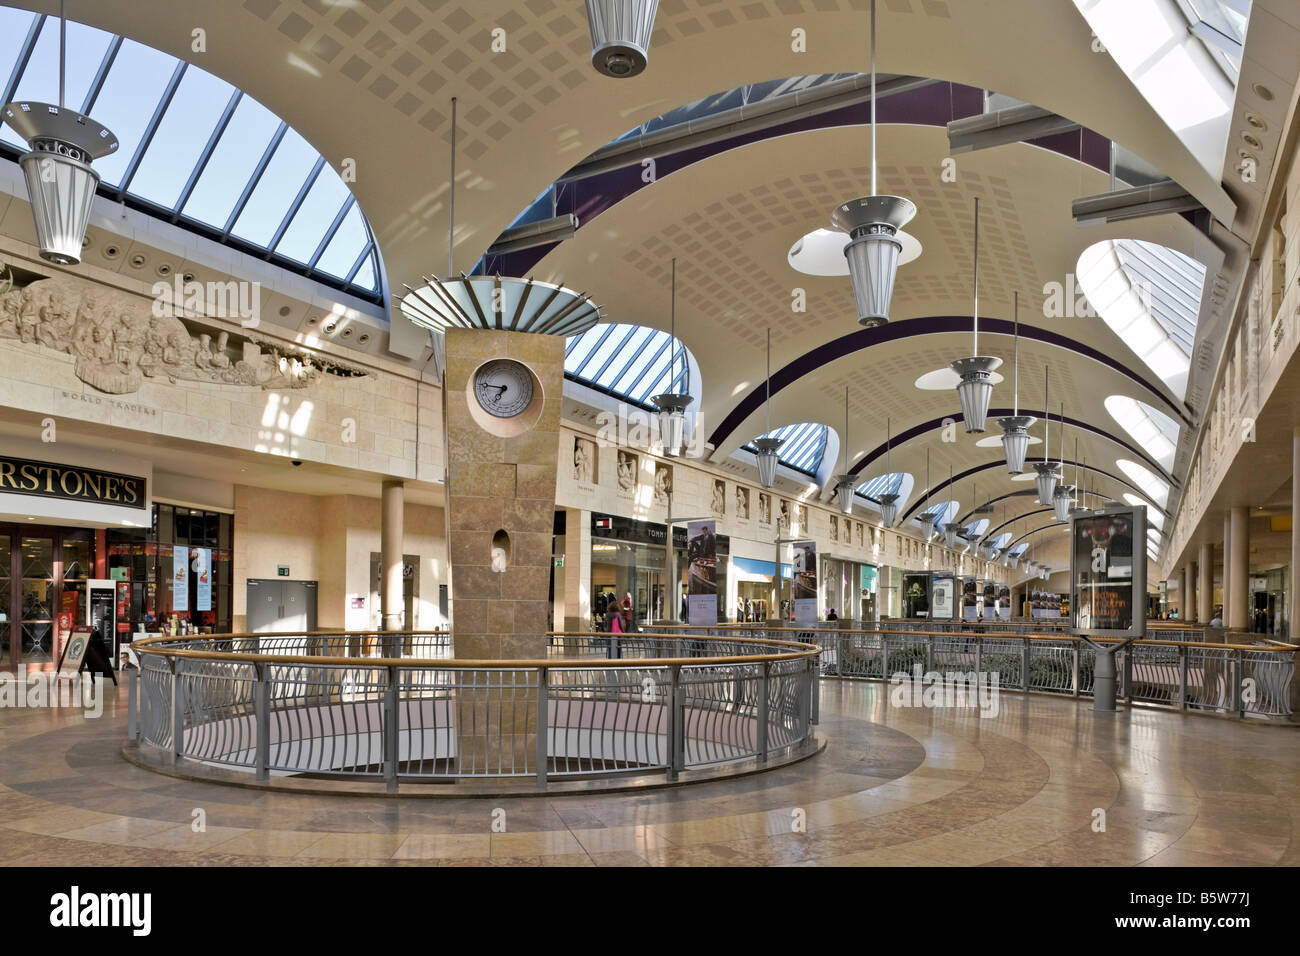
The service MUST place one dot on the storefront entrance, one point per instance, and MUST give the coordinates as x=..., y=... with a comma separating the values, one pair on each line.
x=43, y=573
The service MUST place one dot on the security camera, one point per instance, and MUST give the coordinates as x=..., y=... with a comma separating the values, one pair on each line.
x=297, y=464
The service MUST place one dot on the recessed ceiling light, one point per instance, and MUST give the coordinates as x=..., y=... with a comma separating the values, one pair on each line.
x=1263, y=92
x=284, y=310
x=821, y=252
x=1252, y=141
x=1256, y=121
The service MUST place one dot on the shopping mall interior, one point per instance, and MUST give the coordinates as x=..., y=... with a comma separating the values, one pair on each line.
x=649, y=432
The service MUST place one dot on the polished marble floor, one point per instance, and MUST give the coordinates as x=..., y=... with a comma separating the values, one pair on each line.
x=895, y=786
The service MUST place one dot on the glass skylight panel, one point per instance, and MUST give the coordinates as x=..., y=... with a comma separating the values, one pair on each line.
x=181, y=137
x=1001, y=540
x=944, y=513
x=631, y=361
x=1151, y=486
x=40, y=79
x=314, y=217
x=1154, y=431
x=802, y=447
x=277, y=189
x=366, y=277
x=233, y=161
x=341, y=254
x=977, y=528
x=882, y=485
x=1155, y=517
x=131, y=93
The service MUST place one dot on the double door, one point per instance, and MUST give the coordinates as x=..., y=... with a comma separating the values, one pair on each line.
x=43, y=573
x=277, y=606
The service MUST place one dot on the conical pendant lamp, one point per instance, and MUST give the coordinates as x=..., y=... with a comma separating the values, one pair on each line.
x=672, y=405
x=60, y=181
x=1049, y=472
x=767, y=445
x=872, y=223
x=976, y=371
x=1015, y=427
x=620, y=35
x=844, y=486
x=1063, y=494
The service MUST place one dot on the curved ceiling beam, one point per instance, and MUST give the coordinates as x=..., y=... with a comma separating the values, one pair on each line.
x=819, y=358
x=951, y=482
x=1026, y=493
x=917, y=430
x=936, y=103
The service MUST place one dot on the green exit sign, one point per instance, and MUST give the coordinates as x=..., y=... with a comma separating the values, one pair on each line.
x=282, y=570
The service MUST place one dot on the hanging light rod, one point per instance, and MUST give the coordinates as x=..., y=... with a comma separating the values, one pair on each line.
x=767, y=446
x=872, y=223
x=1015, y=427
x=976, y=372
x=672, y=405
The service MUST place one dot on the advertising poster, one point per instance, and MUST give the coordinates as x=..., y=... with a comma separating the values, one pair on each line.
x=968, y=599
x=702, y=565
x=804, y=563
x=181, y=579
x=942, y=598
x=1102, y=569
x=203, y=574
x=990, y=596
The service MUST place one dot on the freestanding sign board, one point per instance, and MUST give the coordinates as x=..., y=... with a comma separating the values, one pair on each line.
x=1108, y=581
x=1108, y=588
x=943, y=597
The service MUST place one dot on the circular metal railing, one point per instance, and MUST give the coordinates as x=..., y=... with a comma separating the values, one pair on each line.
x=398, y=705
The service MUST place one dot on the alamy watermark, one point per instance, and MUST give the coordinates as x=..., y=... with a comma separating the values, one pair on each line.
x=637, y=428
x=220, y=300
x=41, y=690
x=951, y=689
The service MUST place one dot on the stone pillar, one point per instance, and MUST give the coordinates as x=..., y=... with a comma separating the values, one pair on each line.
x=1239, y=552
x=1293, y=592
x=1227, y=566
x=390, y=555
x=1187, y=606
x=1205, y=586
x=577, y=570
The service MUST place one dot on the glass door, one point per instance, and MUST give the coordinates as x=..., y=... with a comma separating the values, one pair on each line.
x=36, y=620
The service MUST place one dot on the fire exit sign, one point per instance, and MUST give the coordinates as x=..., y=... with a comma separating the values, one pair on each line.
x=282, y=570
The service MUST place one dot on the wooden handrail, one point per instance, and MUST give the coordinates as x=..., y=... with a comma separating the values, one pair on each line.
x=799, y=651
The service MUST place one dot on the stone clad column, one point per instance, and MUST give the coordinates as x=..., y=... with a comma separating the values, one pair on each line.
x=1188, y=603
x=1239, y=520
x=390, y=555
x=577, y=570
x=1205, y=586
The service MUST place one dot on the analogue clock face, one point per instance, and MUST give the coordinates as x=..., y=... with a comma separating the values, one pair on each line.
x=503, y=388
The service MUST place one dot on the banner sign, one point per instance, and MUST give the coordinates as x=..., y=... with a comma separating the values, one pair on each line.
x=180, y=578
x=1108, y=573
x=203, y=572
x=19, y=476
x=942, y=598
x=702, y=564
x=804, y=587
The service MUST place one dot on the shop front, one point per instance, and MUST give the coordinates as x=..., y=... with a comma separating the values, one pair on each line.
x=850, y=588
x=628, y=561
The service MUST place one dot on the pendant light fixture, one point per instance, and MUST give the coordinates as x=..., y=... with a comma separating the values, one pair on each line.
x=767, y=445
x=620, y=35
x=1048, y=471
x=60, y=181
x=1061, y=497
x=976, y=372
x=1078, y=508
x=951, y=530
x=1015, y=427
x=672, y=405
x=889, y=500
x=872, y=223
x=492, y=302
x=844, y=487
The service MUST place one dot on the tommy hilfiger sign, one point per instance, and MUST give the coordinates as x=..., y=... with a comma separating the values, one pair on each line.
x=48, y=480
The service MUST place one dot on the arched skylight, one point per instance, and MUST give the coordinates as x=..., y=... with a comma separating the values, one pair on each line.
x=1154, y=488
x=1150, y=296
x=631, y=362
x=1001, y=540
x=194, y=150
x=803, y=447
x=976, y=528
x=896, y=483
x=944, y=513
x=1152, y=429
x=1155, y=517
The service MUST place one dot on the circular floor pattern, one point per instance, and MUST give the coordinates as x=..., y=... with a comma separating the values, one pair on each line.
x=895, y=786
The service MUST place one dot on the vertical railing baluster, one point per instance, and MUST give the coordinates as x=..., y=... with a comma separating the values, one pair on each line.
x=1182, y=676
x=542, y=721
x=132, y=703
x=1239, y=678
x=262, y=718
x=1074, y=668
x=762, y=711
x=178, y=708
x=390, y=731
